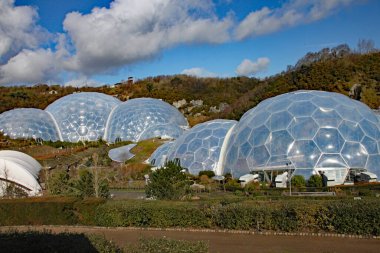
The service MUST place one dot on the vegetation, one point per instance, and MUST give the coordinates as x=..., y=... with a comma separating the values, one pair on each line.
x=84, y=187
x=168, y=182
x=339, y=215
x=331, y=69
x=166, y=245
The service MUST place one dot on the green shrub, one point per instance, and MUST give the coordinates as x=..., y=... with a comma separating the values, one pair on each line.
x=298, y=181
x=168, y=182
x=208, y=173
x=166, y=245
x=315, y=181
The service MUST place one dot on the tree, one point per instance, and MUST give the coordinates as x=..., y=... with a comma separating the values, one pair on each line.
x=298, y=181
x=149, y=87
x=168, y=182
x=85, y=184
x=315, y=181
x=59, y=183
x=365, y=46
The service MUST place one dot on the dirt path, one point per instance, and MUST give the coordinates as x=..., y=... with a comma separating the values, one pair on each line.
x=229, y=242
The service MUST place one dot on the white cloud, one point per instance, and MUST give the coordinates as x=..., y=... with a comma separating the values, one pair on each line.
x=18, y=29
x=35, y=66
x=30, y=66
x=130, y=31
x=294, y=12
x=248, y=68
x=198, y=72
x=133, y=30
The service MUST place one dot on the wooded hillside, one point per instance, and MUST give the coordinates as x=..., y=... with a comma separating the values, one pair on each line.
x=328, y=70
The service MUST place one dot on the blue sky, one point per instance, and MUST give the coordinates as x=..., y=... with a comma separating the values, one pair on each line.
x=103, y=42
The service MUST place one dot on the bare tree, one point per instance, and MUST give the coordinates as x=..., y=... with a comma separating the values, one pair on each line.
x=366, y=46
x=95, y=158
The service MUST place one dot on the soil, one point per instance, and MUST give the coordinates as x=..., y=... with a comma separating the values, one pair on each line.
x=228, y=241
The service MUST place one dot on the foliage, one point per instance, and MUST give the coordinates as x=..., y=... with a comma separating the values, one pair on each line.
x=315, y=181
x=60, y=183
x=167, y=245
x=85, y=184
x=208, y=173
x=298, y=181
x=168, y=182
x=346, y=215
x=336, y=69
x=233, y=185
x=13, y=191
x=340, y=216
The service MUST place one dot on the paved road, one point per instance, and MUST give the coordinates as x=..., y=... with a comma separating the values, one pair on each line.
x=231, y=242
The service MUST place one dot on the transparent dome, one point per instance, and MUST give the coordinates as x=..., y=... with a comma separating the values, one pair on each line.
x=199, y=148
x=27, y=123
x=144, y=118
x=158, y=158
x=82, y=116
x=121, y=154
x=308, y=131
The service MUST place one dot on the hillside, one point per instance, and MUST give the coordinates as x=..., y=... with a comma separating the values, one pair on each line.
x=227, y=97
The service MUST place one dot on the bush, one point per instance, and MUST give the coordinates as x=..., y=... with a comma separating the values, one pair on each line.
x=315, y=181
x=208, y=173
x=168, y=182
x=166, y=245
x=298, y=181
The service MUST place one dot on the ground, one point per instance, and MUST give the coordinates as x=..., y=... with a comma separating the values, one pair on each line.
x=230, y=241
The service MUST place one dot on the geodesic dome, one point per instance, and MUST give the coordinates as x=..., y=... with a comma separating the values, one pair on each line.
x=29, y=123
x=82, y=116
x=144, y=118
x=20, y=169
x=307, y=131
x=159, y=156
x=200, y=148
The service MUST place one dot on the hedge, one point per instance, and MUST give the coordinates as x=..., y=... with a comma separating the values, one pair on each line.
x=346, y=216
x=338, y=216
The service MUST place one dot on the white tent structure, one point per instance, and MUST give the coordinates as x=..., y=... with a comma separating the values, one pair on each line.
x=20, y=169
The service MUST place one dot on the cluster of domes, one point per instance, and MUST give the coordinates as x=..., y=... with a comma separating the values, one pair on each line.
x=90, y=116
x=303, y=131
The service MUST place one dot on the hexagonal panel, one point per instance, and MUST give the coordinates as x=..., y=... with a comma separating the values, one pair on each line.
x=355, y=154
x=278, y=142
x=259, y=136
x=303, y=128
x=349, y=113
x=260, y=156
x=373, y=165
x=329, y=140
x=278, y=105
x=324, y=102
x=370, y=129
x=331, y=161
x=351, y=131
x=302, y=108
x=304, y=154
x=327, y=118
x=370, y=145
x=279, y=121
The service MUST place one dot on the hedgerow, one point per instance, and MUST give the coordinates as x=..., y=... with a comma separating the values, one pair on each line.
x=346, y=216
